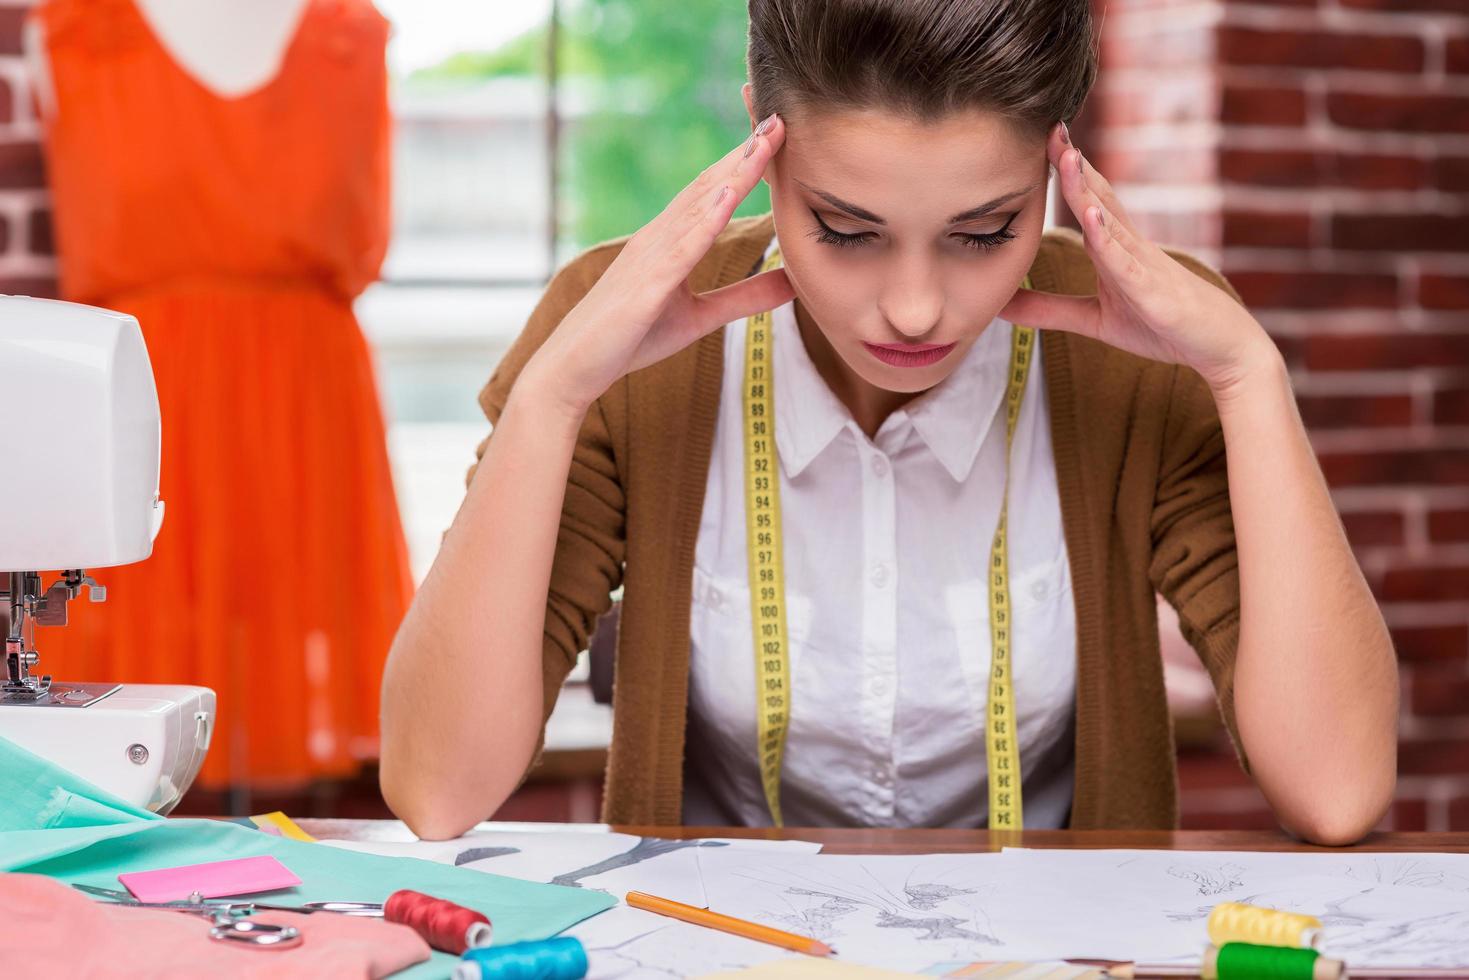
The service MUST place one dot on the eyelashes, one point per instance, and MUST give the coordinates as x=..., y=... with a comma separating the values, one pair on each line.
x=825, y=234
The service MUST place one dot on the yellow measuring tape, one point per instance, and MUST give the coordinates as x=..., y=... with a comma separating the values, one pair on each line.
x=764, y=548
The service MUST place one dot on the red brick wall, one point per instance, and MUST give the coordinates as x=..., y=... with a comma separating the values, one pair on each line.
x=1318, y=152
x=26, y=263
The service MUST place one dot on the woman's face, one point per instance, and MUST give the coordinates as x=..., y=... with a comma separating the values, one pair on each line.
x=906, y=234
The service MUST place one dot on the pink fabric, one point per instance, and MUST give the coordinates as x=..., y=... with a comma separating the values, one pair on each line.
x=51, y=930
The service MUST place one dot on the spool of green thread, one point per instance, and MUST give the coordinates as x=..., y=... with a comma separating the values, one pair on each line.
x=1245, y=961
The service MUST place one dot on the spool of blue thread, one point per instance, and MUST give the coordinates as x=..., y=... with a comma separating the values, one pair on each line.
x=561, y=958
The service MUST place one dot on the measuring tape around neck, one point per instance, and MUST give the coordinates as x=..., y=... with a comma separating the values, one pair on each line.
x=765, y=548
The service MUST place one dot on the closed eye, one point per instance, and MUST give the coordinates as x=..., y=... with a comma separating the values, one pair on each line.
x=986, y=241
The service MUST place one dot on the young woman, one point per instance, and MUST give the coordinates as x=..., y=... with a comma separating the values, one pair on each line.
x=891, y=477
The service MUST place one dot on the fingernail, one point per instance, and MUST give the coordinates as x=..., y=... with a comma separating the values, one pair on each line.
x=750, y=145
x=1079, y=168
x=1065, y=133
x=723, y=193
x=767, y=125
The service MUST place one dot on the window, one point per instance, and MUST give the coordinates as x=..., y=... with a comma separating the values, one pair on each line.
x=505, y=165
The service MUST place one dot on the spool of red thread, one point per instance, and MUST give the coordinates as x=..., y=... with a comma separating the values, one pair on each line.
x=445, y=926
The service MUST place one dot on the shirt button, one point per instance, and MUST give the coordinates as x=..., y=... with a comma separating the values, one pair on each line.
x=879, y=687
x=879, y=466
x=1038, y=590
x=716, y=598
x=879, y=575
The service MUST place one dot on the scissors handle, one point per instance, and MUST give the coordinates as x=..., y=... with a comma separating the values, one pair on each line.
x=260, y=935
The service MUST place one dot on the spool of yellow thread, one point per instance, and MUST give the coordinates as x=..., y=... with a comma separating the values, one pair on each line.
x=1236, y=922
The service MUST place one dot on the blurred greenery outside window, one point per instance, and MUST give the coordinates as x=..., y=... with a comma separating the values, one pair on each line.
x=646, y=95
x=661, y=98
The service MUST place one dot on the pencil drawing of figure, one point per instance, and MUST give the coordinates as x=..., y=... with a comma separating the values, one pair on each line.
x=928, y=897
x=482, y=853
x=645, y=849
x=939, y=927
x=1215, y=880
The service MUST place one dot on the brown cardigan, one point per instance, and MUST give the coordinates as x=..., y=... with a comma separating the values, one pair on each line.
x=1140, y=467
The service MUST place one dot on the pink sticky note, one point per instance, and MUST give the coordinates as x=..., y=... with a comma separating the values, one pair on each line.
x=217, y=879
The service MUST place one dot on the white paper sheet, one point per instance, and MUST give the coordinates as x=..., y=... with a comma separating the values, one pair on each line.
x=1377, y=908
x=610, y=862
x=629, y=944
x=914, y=912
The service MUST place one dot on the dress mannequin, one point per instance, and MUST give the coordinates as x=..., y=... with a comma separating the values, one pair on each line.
x=220, y=169
x=229, y=47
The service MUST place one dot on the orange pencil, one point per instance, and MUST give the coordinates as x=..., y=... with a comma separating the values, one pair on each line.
x=728, y=923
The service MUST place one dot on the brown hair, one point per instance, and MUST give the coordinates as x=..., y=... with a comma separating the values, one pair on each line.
x=1032, y=61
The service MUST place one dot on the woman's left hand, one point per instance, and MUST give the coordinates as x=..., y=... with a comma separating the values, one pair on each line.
x=1146, y=303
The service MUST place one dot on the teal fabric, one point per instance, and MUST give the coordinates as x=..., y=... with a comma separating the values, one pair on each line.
x=53, y=823
x=36, y=794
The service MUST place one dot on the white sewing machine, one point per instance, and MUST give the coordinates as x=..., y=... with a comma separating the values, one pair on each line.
x=80, y=491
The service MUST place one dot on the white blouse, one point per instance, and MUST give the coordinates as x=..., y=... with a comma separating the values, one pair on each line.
x=886, y=544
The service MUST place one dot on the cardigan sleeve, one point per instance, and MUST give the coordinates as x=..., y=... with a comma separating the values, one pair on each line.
x=1195, y=565
x=587, y=565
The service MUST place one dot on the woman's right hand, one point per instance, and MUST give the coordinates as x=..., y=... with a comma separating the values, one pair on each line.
x=641, y=310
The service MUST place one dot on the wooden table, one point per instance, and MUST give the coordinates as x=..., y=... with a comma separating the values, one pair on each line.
x=884, y=841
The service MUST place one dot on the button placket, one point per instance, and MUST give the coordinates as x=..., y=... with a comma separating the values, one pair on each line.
x=879, y=623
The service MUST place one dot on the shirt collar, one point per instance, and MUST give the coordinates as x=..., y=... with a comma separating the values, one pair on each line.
x=955, y=416
x=952, y=418
x=808, y=414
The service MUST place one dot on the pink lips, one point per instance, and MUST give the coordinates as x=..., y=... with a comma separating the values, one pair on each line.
x=909, y=355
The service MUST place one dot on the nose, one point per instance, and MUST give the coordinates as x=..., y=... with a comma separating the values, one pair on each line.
x=912, y=299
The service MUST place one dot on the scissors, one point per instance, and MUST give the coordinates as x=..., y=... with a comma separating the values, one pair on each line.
x=374, y=909
x=230, y=922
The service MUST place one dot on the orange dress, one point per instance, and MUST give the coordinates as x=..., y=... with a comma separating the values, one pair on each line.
x=238, y=230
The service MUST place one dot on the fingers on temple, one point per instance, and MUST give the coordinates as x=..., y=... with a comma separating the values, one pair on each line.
x=700, y=211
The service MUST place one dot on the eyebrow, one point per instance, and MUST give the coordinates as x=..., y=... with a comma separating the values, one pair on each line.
x=862, y=214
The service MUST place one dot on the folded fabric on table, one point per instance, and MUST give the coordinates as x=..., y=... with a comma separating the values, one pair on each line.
x=55, y=824
x=54, y=931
